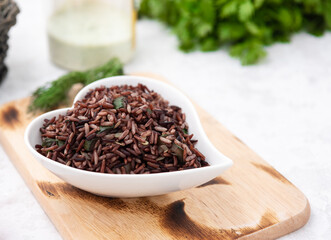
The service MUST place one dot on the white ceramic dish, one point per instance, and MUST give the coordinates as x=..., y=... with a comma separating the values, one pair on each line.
x=129, y=185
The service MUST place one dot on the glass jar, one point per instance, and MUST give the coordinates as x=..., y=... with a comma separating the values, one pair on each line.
x=84, y=34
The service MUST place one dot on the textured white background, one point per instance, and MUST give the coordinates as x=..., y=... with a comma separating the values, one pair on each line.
x=280, y=108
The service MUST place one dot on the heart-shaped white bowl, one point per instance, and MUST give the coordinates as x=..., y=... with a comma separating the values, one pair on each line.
x=135, y=185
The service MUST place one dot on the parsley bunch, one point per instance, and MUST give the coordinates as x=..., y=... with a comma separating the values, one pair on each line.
x=246, y=26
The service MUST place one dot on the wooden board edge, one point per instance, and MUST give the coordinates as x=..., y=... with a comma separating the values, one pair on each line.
x=35, y=191
x=281, y=229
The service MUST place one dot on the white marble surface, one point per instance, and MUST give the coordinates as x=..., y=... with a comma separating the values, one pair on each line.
x=280, y=108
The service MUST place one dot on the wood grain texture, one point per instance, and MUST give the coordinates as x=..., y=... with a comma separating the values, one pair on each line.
x=250, y=201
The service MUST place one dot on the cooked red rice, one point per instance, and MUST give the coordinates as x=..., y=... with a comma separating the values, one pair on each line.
x=121, y=130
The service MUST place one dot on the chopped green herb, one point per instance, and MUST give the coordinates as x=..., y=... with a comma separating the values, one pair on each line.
x=60, y=143
x=47, y=142
x=89, y=144
x=105, y=128
x=149, y=111
x=177, y=151
x=178, y=146
x=119, y=102
x=185, y=131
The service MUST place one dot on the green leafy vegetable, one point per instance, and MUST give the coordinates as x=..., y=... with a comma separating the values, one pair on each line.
x=53, y=94
x=47, y=142
x=119, y=102
x=245, y=26
x=185, y=131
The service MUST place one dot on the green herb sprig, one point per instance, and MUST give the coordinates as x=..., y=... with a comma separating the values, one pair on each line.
x=246, y=26
x=53, y=94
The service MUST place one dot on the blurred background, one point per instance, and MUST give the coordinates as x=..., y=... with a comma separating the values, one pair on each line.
x=262, y=70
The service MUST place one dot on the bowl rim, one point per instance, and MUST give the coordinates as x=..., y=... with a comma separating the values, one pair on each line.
x=225, y=163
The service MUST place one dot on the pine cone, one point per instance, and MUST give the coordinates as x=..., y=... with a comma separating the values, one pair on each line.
x=8, y=12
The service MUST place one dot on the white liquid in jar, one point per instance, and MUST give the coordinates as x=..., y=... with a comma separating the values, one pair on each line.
x=90, y=34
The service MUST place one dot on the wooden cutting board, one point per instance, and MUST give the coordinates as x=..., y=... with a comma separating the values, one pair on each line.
x=250, y=201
